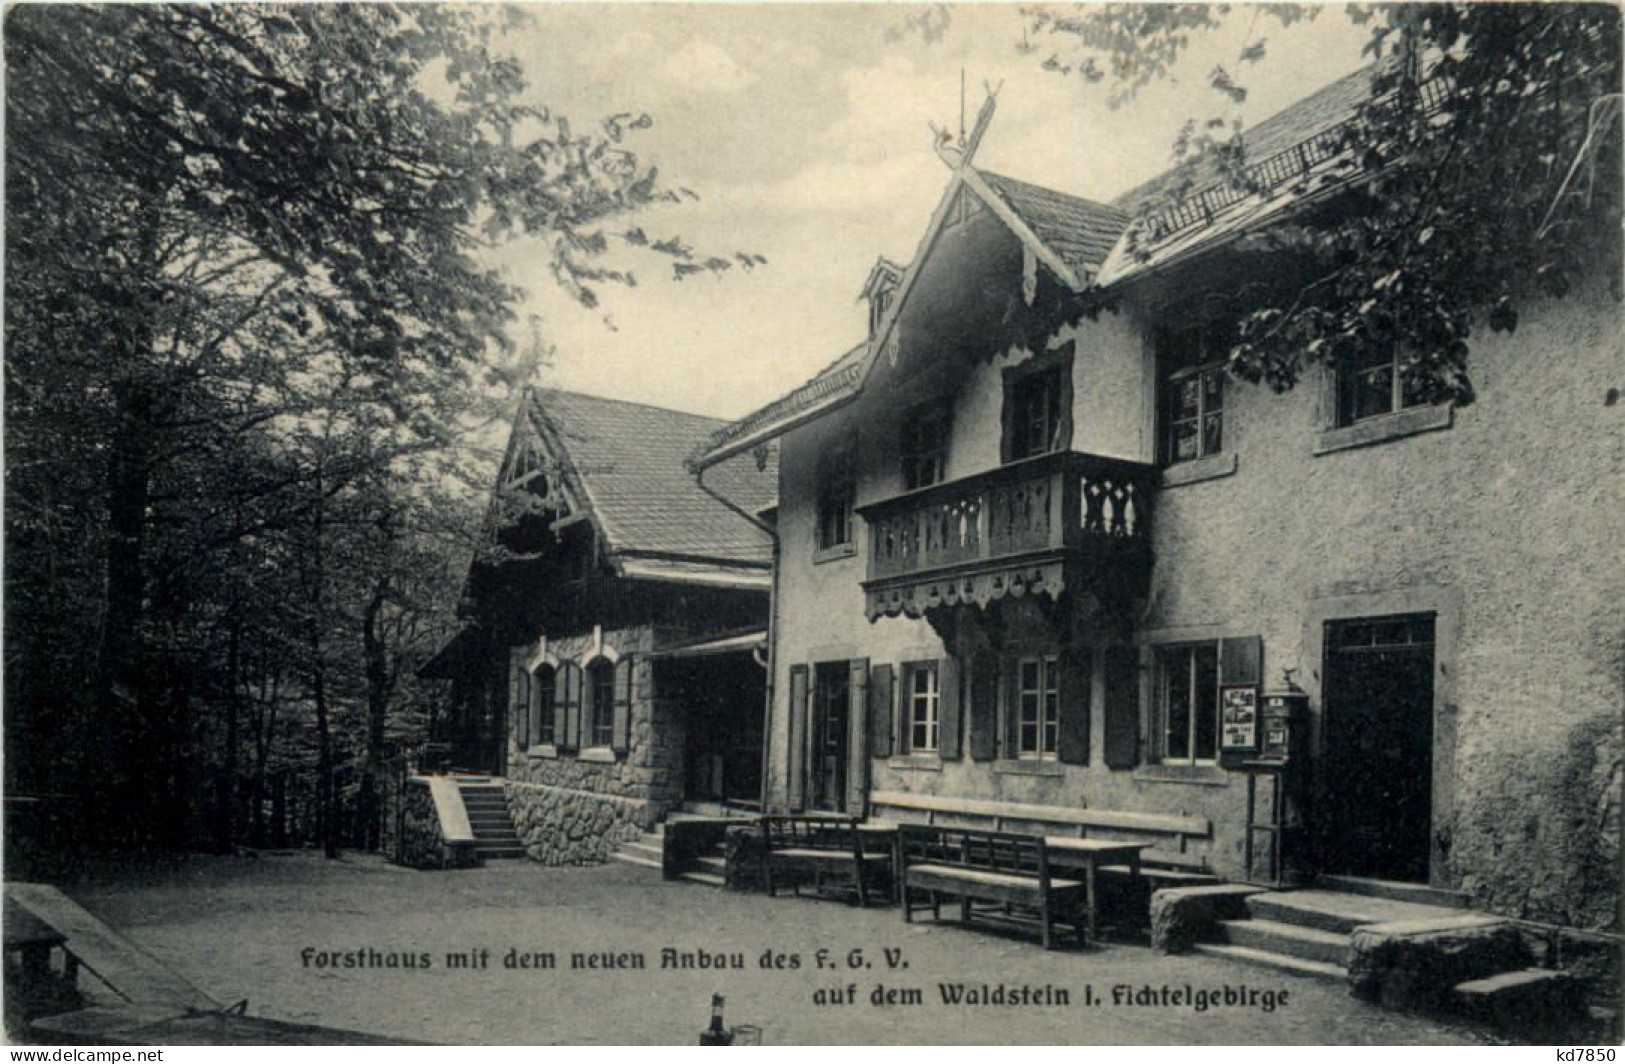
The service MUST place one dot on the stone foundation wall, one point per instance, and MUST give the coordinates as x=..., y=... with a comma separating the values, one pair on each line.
x=419, y=843
x=567, y=826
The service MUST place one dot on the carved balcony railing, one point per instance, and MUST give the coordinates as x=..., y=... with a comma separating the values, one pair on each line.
x=1040, y=526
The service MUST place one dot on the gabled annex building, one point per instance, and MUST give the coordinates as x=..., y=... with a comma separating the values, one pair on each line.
x=611, y=663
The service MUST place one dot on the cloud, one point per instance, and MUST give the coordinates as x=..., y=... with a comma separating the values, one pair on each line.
x=701, y=65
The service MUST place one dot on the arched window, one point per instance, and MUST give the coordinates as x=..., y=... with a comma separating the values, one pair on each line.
x=601, y=702
x=541, y=706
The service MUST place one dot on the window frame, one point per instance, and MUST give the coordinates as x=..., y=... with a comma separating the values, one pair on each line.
x=916, y=722
x=1036, y=433
x=836, y=499
x=1347, y=384
x=1211, y=343
x=542, y=695
x=1016, y=424
x=916, y=448
x=599, y=676
x=1046, y=722
x=1162, y=688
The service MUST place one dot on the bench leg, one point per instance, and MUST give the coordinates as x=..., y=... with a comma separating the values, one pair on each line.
x=857, y=880
x=908, y=910
x=1048, y=918
x=936, y=906
x=1091, y=899
x=767, y=876
x=964, y=909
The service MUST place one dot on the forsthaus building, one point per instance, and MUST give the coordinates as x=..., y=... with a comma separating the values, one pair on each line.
x=1035, y=576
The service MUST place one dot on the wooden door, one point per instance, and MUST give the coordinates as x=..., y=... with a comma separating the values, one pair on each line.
x=1378, y=750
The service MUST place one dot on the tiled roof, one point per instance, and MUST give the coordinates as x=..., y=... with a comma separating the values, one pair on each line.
x=629, y=461
x=839, y=380
x=1281, y=131
x=1082, y=232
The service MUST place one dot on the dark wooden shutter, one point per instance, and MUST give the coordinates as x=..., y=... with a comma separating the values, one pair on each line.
x=1076, y=666
x=1011, y=738
x=620, y=735
x=948, y=715
x=984, y=707
x=881, y=713
x=796, y=773
x=1122, y=707
x=561, y=699
x=857, y=734
x=1241, y=661
x=521, y=713
x=570, y=675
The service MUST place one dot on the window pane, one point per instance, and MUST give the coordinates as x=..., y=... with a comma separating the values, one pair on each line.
x=1206, y=707
x=1212, y=433
x=1213, y=390
x=1374, y=392
x=1176, y=703
x=1187, y=397
x=1185, y=444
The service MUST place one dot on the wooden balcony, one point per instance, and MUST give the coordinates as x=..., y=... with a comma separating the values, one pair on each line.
x=1064, y=521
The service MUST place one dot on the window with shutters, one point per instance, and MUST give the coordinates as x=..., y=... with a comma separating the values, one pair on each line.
x=1187, y=686
x=922, y=692
x=541, y=706
x=601, y=702
x=1037, y=710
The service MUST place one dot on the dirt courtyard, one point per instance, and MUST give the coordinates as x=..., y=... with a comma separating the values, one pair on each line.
x=309, y=940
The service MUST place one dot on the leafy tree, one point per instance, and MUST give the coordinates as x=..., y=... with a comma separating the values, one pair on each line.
x=233, y=230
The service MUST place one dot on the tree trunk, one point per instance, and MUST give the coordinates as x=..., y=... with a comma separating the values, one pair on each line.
x=318, y=679
x=379, y=683
x=119, y=680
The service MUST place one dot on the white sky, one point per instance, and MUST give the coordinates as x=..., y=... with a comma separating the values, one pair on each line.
x=806, y=134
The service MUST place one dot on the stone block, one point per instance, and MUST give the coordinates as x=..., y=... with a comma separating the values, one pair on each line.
x=1536, y=1004
x=742, y=850
x=1183, y=916
x=1595, y=960
x=1416, y=964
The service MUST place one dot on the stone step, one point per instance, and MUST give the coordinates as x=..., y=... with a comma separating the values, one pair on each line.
x=634, y=859
x=498, y=853
x=1418, y=893
x=710, y=879
x=1305, y=943
x=1541, y=1000
x=640, y=848
x=1278, y=961
x=1327, y=910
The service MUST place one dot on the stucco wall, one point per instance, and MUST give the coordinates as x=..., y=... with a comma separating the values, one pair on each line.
x=1505, y=525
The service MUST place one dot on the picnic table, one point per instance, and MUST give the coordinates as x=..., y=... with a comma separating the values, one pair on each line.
x=1088, y=856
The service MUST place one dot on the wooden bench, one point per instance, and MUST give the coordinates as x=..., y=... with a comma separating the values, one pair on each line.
x=794, y=846
x=1002, y=867
x=1165, y=864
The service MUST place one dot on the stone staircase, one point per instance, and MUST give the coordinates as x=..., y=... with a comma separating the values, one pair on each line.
x=494, y=836
x=645, y=850
x=707, y=867
x=1307, y=931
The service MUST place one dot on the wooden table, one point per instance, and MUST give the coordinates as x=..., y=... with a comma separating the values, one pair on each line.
x=1088, y=855
x=884, y=833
